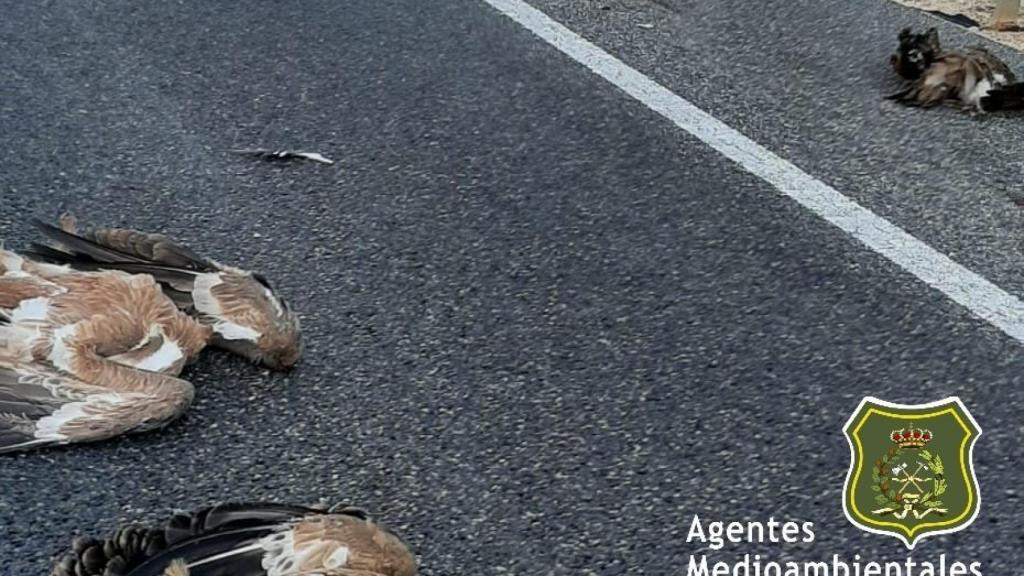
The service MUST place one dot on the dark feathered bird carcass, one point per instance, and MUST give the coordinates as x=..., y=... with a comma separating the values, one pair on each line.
x=246, y=539
x=974, y=77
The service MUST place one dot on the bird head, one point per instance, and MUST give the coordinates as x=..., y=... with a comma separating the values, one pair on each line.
x=916, y=52
x=249, y=318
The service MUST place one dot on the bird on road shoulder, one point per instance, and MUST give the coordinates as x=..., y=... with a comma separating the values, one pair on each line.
x=246, y=315
x=967, y=76
x=246, y=539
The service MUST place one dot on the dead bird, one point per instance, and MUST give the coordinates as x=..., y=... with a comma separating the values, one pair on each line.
x=86, y=356
x=967, y=76
x=246, y=315
x=916, y=52
x=246, y=539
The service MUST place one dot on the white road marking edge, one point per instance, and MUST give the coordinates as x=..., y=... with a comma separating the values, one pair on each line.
x=972, y=291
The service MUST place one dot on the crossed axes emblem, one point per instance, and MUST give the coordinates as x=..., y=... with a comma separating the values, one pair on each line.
x=910, y=499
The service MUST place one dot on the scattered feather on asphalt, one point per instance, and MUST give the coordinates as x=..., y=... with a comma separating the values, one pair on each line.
x=284, y=155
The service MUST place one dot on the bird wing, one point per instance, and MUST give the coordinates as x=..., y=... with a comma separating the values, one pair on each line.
x=941, y=80
x=24, y=401
x=240, y=539
x=126, y=245
x=241, y=305
x=171, y=264
x=41, y=407
x=224, y=553
x=219, y=540
x=991, y=65
x=347, y=542
x=231, y=516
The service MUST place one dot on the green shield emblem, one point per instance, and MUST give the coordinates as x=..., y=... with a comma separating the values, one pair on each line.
x=911, y=469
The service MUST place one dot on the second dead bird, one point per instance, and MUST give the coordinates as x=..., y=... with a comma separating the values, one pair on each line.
x=94, y=353
x=250, y=539
x=975, y=77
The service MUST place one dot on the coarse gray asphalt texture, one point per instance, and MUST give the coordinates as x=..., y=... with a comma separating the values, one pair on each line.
x=544, y=328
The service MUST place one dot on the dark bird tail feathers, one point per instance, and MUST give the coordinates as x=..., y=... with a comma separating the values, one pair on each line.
x=76, y=246
x=1009, y=97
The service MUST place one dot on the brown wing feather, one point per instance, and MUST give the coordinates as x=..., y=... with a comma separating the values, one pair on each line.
x=122, y=245
x=245, y=301
x=41, y=407
x=991, y=64
x=371, y=549
x=152, y=247
x=131, y=303
x=239, y=297
x=940, y=81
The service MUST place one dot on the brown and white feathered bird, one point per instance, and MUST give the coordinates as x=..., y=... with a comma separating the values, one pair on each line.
x=49, y=310
x=254, y=539
x=965, y=75
x=246, y=315
x=86, y=356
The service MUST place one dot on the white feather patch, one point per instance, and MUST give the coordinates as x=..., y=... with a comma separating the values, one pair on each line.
x=11, y=261
x=17, y=274
x=61, y=354
x=16, y=341
x=33, y=309
x=206, y=303
x=274, y=302
x=162, y=359
x=49, y=427
x=315, y=156
x=153, y=332
x=977, y=92
x=337, y=559
x=202, y=294
x=281, y=558
x=46, y=270
x=232, y=331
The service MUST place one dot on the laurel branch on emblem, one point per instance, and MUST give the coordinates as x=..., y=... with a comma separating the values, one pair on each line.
x=901, y=491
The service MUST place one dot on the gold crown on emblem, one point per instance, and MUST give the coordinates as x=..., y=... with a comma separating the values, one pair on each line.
x=911, y=437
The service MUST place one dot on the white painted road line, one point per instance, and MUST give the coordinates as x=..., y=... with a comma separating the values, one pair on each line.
x=974, y=292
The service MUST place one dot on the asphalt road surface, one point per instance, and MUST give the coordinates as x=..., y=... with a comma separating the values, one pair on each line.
x=544, y=327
